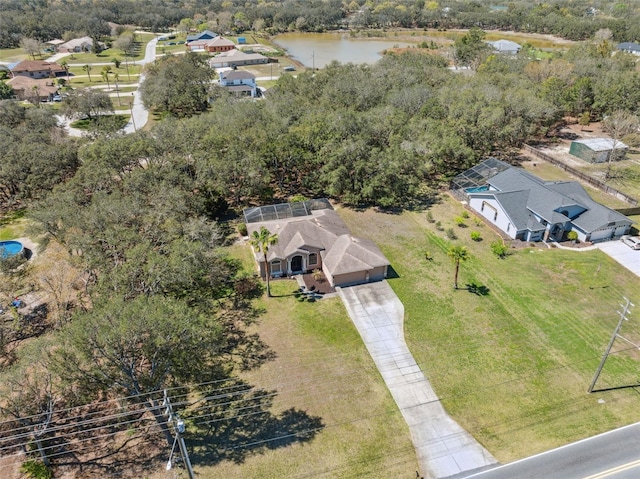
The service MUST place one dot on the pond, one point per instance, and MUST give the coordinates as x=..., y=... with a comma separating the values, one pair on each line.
x=316, y=50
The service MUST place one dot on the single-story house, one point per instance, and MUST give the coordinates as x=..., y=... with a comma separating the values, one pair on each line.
x=36, y=69
x=505, y=46
x=237, y=58
x=316, y=239
x=33, y=90
x=205, y=35
x=215, y=45
x=55, y=43
x=77, y=45
x=239, y=82
x=528, y=208
x=598, y=150
x=629, y=47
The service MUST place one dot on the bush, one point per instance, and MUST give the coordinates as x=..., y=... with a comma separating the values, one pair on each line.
x=475, y=236
x=500, y=249
x=465, y=215
x=428, y=256
x=430, y=217
x=439, y=226
x=572, y=236
x=477, y=221
x=242, y=229
x=451, y=234
x=36, y=470
x=460, y=221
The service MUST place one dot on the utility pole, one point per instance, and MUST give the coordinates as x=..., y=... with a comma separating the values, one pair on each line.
x=623, y=317
x=178, y=430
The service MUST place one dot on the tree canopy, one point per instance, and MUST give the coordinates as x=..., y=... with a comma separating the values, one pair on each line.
x=178, y=85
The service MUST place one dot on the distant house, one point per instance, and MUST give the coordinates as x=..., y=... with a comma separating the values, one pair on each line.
x=237, y=58
x=215, y=45
x=528, y=208
x=33, y=90
x=36, y=69
x=77, y=45
x=315, y=239
x=629, y=47
x=598, y=150
x=54, y=44
x=505, y=46
x=205, y=35
x=239, y=82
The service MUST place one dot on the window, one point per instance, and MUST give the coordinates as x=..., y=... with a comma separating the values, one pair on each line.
x=495, y=216
x=482, y=207
x=313, y=259
x=508, y=227
x=276, y=266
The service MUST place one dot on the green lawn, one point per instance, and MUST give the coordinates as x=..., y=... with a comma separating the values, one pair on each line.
x=512, y=366
x=13, y=54
x=323, y=369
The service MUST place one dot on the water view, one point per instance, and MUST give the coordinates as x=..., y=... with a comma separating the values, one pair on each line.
x=316, y=50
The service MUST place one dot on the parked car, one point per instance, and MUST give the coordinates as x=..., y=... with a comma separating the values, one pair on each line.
x=289, y=69
x=57, y=98
x=631, y=241
x=171, y=43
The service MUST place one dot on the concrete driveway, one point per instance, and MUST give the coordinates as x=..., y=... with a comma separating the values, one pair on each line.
x=624, y=255
x=443, y=448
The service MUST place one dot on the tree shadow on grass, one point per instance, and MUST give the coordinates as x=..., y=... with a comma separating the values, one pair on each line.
x=239, y=423
x=478, y=289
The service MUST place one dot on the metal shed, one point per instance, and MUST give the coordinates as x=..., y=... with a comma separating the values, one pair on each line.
x=597, y=150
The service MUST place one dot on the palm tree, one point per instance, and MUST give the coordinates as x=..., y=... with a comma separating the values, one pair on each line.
x=116, y=77
x=65, y=67
x=87, y=68
x=458, y=254
x=105, y=77
x=261, y=241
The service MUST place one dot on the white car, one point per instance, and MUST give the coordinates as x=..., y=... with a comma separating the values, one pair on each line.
x=631, y=241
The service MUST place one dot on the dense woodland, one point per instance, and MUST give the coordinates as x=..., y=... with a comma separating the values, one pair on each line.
x=144, y=296
x=573, y=19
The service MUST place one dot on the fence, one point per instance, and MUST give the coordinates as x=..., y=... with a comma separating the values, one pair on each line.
x=582, y=176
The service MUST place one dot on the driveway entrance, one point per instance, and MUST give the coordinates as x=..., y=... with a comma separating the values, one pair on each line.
x=624, y=255
x=443, y=448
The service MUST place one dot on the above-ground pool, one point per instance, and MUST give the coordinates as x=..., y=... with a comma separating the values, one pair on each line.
x=10, y=248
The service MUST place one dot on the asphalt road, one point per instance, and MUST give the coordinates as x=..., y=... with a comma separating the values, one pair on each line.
x=612, y=455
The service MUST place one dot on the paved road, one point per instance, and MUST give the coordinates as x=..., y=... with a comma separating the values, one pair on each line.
x=442, y=446
x=612, y=455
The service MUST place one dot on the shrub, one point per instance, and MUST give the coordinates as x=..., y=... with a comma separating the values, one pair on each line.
x=428, y=256
x=572, y=235
x=500, y=249
x=439, y=226
x=316, y=274
x=477, y=221
x=475, y=236
x=464, y=214
x=36, y=469
x=451, y=234
x=242, y=229
x=460, y=221
x=430, y=217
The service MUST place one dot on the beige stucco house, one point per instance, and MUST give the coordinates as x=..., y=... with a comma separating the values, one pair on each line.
x=318, y=239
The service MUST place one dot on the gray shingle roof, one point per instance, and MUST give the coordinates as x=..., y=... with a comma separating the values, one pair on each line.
x=520, y=193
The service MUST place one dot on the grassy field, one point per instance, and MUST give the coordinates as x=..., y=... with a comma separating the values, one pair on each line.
x=13, y=54
x=512, y=366
x=323, y=369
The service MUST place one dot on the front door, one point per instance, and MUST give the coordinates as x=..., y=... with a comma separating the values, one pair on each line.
x=296, y=264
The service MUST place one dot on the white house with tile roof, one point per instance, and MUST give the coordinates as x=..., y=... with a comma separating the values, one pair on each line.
x=320, y=240
x=528, y=208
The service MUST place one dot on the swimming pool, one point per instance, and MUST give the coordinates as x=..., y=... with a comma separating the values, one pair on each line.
x=10, y=248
